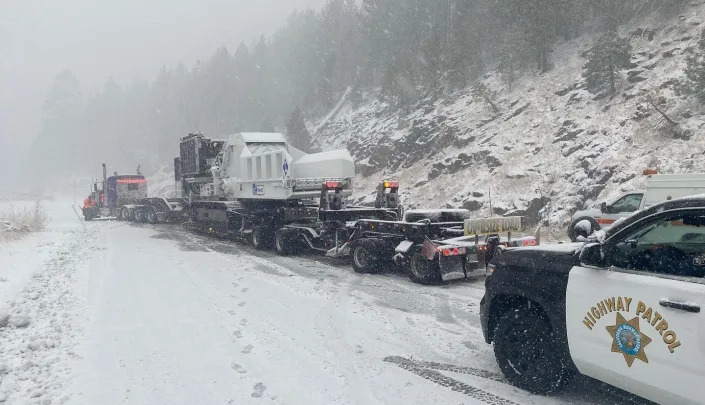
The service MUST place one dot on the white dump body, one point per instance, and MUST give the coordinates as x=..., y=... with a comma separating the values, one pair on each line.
x=262, y=166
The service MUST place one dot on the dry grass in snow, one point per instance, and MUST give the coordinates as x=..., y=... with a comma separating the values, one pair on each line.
x=15, y=222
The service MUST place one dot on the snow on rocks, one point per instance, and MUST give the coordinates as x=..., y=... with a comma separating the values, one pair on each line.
x=549, y=134
x=40, y=329
x=4, y=318
x=19, y=321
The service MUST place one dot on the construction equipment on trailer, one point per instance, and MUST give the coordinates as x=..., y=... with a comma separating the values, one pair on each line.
x=434, y=245
x=257, y=186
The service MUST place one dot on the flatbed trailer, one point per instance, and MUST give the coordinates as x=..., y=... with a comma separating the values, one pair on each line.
x=432, y=252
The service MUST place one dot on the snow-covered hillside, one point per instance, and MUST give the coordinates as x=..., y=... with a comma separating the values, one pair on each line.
x=551, y=148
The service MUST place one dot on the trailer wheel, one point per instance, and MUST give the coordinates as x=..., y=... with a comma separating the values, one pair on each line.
x=424, y=271
x=283, y=244
x=152, y=215
x=260, y=238
x=363, y=258
x=126, y=214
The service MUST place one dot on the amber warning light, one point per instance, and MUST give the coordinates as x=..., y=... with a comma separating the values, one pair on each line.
x=131, y=181
x=391, y=184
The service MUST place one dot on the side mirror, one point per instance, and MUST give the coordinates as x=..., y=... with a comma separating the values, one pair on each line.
x=603, y=207
x=592, y=255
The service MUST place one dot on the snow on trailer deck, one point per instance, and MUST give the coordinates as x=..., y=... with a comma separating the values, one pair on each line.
x=138, y=314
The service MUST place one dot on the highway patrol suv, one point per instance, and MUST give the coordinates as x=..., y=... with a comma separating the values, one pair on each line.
x=624, y=308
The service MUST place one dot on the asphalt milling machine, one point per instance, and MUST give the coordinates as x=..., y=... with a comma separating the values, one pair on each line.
x=257, y=187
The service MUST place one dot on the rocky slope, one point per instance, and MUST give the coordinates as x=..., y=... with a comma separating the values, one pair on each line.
x=550, y=146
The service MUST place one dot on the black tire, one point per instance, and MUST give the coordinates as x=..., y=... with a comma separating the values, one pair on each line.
x=152, y=215
x=364, y=258
x=260, y=238
x=424, y=271
x=283, y=244
x=574, y=233
x=525, y=349
x=129, y=215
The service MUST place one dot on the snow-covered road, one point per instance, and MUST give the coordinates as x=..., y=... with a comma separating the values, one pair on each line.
x=140, y=314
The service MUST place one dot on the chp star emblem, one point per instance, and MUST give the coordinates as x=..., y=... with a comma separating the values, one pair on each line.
x=628, y=339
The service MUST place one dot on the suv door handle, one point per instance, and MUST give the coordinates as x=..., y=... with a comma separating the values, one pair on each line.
x=683, y=306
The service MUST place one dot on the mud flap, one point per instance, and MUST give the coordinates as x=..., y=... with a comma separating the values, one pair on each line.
x=342, y=251
x=452, y=267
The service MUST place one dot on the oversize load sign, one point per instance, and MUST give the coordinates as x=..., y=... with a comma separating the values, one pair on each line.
x=487, y=226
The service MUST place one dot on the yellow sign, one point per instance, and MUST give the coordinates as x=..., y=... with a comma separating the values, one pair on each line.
x=627, y=336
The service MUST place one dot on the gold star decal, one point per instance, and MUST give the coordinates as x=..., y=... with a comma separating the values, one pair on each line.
x=628, y=339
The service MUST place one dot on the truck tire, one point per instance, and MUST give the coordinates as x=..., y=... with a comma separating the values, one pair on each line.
x=525, y=349
x=283, y=244
x=424, y=271
x=364, y=258
x=574, y=230
x=260, y=238
x=126, y=215
x=152, y=215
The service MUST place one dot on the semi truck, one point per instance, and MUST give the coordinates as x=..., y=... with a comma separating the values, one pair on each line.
x=108, y=197
x=257, y=187
x=125, y=197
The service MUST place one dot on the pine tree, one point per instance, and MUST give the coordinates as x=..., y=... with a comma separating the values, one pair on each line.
x=695, y=70
x=610, y=54
x=296, y=132
x=64, y=96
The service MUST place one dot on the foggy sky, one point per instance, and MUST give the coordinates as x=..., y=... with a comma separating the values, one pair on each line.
x=96, y=39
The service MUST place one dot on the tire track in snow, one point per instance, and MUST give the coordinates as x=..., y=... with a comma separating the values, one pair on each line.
x=428, y=371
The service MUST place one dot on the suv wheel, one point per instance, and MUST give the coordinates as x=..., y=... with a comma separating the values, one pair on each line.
x=525, y=348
